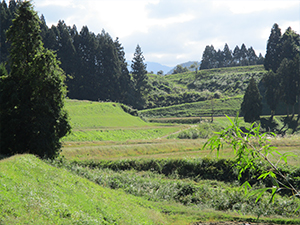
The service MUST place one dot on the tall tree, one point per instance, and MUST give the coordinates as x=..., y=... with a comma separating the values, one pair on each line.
x=252, y=57
x=273, y=57
x=208, y=58
x=243, y=56
x=140, y=78
x=32, y=95
x=289, y=44
x=227, y=54
x=272, y=83
x=287, y=72
x=236, y=59
x=251, y=106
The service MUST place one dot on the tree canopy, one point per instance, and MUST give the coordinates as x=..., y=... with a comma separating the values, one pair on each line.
x=251, y=106
x=32, y=95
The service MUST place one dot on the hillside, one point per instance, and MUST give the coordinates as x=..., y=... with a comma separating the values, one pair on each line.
x=89, y=114
x=220, y=83
x=32, y=192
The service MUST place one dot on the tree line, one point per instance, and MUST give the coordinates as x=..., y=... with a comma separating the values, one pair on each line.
x=95, y=64
x=282, y=82
x=212, y=58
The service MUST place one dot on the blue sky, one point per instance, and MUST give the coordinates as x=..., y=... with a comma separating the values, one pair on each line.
x=176, y=31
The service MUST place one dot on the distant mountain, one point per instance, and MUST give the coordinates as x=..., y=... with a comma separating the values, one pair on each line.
x=187, y=65
x=153, y=67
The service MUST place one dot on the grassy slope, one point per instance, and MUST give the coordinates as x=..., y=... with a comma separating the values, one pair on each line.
x=229, y=106
x=32, y=192
x=88, y=114
x=94, y=121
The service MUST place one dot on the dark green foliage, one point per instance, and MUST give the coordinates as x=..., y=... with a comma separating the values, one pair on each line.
x=32, y=95
x=140, y=78
x=287, y=72
x=272, y=83
x=272, y=58
x=239, y=57
x=251, y=106
x=95, y=64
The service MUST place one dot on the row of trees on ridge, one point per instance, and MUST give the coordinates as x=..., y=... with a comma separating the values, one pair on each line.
x=212, y=58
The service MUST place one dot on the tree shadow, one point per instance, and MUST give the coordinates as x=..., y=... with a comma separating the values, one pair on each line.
x=269, y=125
x=290, y=125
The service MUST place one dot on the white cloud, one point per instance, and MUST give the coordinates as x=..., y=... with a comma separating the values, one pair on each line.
x=246, y=6
x=174, y=31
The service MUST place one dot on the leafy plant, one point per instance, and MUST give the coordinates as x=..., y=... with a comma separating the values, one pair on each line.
x=252, y=149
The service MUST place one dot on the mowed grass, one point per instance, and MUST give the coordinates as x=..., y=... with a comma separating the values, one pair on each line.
x=89, y=114
x=33, y=192
x=106, y=121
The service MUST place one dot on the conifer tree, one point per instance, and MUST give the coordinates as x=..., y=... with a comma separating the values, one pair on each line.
x=251, y=106
x=273, y=58
x=32, y=95
x=140, y=78
x=273, y=91
x=227, y=54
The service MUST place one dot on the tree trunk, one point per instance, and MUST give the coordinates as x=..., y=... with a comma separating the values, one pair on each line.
x=288, y=110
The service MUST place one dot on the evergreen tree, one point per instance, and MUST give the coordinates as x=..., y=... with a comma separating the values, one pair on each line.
x=208, y=58
x=272, y=83
x=289, y=44
x=252, y=57
x=287, y=72
x=236, y=56
x=251, y=106
x=227, y=55
x=273, y=54
x=243, y=56
x=32, y=96
x=140, y=78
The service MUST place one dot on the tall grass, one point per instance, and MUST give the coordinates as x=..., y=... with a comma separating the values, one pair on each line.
x=155, y=186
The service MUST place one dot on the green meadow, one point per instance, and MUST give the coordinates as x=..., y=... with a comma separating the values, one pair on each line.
x=115, y=168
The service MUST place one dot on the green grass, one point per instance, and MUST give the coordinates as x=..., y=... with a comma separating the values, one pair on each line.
x=120, y=134
x=228, y=106
x=32, y=192
x=88, y=114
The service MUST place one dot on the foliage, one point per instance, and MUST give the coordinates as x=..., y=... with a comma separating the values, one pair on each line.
x=180, y=69
x=140, y=78
x=251, y=106
x=226, y=58
x=272, y=58
x=251, y=149
x=272, y=83
x=163, y=180
x=32, y=95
